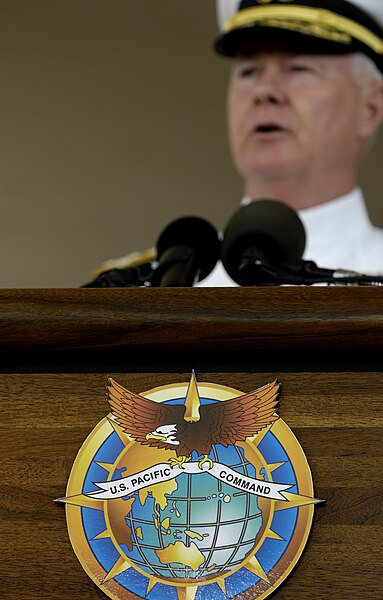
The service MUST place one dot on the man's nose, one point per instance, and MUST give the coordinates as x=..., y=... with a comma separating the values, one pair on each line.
x=269, y=88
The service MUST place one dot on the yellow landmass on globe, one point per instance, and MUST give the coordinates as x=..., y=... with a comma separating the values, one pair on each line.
x=159, y=491
x=139, y=457
x=165, y=526
x=194, y=534
x=117, y=511
x=179, y=553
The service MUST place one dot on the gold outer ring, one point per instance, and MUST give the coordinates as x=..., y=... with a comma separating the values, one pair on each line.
x=283, y=433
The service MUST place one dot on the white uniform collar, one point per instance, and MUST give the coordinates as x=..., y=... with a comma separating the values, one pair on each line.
x=333, y=226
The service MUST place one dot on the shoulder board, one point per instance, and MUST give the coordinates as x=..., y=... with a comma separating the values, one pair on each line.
x=131, y=260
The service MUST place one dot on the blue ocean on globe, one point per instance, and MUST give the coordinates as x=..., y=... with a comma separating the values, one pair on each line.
x=207, y=525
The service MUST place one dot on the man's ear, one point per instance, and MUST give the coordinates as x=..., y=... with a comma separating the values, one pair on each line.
x=372, y=108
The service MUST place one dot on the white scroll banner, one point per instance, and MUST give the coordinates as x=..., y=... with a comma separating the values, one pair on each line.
x=164, y=472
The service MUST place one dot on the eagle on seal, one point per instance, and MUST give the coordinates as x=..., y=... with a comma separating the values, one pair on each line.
x=192, y=425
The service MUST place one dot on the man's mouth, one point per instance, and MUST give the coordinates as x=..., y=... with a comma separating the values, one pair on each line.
x=266, y=128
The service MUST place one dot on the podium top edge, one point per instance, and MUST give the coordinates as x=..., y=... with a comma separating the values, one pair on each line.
x=191, y=318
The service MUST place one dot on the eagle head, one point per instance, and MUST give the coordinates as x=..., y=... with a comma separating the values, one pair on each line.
x=165, y=434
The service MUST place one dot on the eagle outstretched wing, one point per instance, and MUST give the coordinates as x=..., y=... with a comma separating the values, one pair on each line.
x=223, y=423
x=242, y=417
x=138, y=415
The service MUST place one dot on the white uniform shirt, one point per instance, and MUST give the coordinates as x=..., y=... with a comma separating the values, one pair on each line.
x=339, y=235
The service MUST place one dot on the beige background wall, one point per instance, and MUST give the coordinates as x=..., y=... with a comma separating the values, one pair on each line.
x=112, y=124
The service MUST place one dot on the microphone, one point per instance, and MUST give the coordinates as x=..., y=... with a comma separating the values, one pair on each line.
x=263, y=244
x=187, y=251
x=260, y=237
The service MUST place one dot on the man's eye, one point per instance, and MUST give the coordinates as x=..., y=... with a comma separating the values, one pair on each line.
x=301, y=69
x=248, y=71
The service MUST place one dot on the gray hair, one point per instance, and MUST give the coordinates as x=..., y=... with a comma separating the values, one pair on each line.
x=364, y=69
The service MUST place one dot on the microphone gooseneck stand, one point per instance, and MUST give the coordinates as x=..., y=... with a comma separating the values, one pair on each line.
x=253, y=271
x=132, y=277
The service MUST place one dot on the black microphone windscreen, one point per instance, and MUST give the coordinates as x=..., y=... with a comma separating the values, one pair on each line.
x=195, y=233
x=271, y=227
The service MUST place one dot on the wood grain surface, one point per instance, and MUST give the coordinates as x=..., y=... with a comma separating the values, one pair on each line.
x=298, y=318
x=337, y=418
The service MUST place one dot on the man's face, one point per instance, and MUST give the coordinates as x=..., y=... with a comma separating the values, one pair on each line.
x=294, y=114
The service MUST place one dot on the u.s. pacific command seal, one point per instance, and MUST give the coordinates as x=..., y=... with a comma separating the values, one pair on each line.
x=190, y=491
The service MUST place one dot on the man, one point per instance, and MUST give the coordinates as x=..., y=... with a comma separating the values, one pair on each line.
x=305, y=99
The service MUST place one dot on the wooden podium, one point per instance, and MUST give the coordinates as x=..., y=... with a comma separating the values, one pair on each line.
x=57, y=348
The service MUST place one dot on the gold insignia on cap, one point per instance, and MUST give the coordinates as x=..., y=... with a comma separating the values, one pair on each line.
x=319, y=22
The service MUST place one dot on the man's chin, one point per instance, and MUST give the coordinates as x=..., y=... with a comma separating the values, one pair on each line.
x=273, y=168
